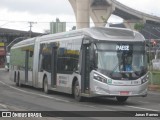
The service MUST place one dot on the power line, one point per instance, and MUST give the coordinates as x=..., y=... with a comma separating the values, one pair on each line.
x=4, y=24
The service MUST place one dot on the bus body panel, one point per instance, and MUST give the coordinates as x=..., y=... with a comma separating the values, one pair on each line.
x=36, y=63
x=63, y=81
x=117, y=87
x=102, y=89
x=22, y=62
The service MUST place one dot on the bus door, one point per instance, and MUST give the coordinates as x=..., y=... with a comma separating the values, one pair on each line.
x=85, y=70
x=54, y=66
x=26, y=65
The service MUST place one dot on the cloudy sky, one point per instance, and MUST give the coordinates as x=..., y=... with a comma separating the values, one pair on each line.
x=15, y=14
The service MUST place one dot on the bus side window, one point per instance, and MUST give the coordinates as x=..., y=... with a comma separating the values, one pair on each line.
x=31, y=54
x=46, y=63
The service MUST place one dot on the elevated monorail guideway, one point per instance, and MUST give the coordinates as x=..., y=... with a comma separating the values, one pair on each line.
x=101, y=10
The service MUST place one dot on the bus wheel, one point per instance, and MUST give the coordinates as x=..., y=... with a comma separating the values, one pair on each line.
x=45, y=85
x=121, y=99
x=77, y=93
x=17, y=81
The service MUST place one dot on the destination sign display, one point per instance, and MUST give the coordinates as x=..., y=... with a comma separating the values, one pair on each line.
x=122, y=47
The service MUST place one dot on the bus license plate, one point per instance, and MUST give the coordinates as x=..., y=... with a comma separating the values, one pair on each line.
x=124, y=92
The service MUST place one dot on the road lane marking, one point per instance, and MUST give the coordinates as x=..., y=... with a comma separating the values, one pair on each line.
x=50, y=96
x=2, y=105
x=141, y=108
x=58, y=99
x=144, y=102
x=153, y=93
x=91, y=106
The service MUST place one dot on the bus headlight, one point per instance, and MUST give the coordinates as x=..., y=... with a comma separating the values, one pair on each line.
x=145, y=79
x=99, y=78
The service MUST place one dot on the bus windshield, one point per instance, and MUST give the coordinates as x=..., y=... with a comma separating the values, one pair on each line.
x=121, y=61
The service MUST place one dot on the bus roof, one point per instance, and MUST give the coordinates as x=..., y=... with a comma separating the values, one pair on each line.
x=26, y=42
x=99, y=33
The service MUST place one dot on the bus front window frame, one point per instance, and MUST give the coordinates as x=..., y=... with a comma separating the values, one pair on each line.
x=117, y=65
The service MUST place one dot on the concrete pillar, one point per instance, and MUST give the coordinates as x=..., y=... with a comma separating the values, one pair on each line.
x=131, y=23
x=101, y=14
x=83, y=15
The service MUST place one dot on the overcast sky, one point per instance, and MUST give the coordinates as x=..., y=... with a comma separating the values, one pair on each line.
x=14, y=14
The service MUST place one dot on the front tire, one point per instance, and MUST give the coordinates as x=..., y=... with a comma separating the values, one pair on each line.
x=77, y=92
x=121, y=99
x=45, y=85
x=18, y=83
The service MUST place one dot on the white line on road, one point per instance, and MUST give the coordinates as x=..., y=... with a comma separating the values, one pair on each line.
x=141, y=108
x=2, y=105
x=48, y=96
x=106, y=109
x=153, y=93
x=58, y=99
x=144, y=102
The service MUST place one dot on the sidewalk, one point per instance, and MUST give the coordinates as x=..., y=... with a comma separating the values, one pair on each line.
x=154, y=88
x=3, y=69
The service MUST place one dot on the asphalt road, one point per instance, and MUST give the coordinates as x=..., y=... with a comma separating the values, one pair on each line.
x=31, y=99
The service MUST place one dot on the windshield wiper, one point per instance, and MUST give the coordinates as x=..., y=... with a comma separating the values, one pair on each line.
x=126, y=71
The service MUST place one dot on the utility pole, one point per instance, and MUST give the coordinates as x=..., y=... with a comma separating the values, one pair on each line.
x=30, y=26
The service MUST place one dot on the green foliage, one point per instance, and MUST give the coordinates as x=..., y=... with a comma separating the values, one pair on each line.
x=154, y=78
x=138, y=26
x=104, y=19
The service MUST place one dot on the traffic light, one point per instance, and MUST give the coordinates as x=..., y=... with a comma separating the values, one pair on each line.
x=154, y=42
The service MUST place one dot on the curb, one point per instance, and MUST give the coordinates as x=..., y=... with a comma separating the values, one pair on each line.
x=154, y=87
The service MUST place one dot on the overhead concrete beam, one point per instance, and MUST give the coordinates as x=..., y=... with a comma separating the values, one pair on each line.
x=101, y=14
x=139, y=14
x=100, y=11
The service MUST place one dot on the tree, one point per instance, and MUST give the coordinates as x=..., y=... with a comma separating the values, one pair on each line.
x=138, y=26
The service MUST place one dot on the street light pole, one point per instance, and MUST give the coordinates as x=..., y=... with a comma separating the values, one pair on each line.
x=30, y=26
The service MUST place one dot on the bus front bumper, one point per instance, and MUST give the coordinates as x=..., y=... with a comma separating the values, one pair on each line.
x=102, y=89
